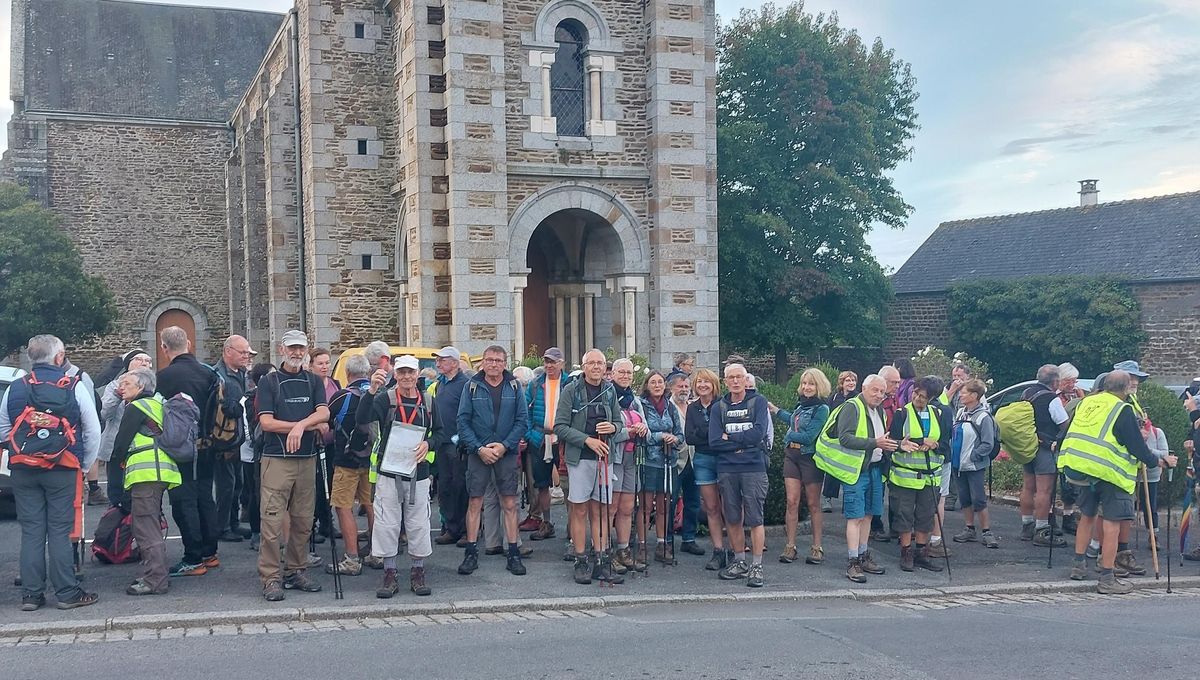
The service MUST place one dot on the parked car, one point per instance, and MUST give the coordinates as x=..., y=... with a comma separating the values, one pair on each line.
x=424, y=355
x=1013, y=393
x=8, y=375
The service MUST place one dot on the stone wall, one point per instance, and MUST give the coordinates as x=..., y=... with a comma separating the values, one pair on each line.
x=915, y=321
x=1171, y=319
x=145, y=205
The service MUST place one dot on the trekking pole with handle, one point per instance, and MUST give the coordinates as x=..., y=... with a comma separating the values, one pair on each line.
x=639, y=486
x=1170, y=478
x=938, y=516
x=666, y=525
x=1050, y=524
x=605, y=555
x=337, y=571
x=1150, y=524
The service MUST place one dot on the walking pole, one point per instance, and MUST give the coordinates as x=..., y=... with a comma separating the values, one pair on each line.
x=1149, y=523
x=639, y=485
x=1170, y=478
x=337, y=572
x=666, y=525
x=938, y=516
x=1050, y=525
x=604, y=558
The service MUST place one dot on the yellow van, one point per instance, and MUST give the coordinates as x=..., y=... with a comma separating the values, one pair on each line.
x=424, y=357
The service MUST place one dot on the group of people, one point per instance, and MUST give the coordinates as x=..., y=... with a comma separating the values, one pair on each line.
x=301, y=450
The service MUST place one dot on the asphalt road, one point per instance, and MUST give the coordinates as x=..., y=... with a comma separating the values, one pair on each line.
x=1154, y=636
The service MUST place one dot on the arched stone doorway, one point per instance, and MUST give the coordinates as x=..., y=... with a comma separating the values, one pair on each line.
x=584, y=267
x=176, y=312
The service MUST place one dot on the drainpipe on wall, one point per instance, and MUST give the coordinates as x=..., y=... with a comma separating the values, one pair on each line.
x=301, y=272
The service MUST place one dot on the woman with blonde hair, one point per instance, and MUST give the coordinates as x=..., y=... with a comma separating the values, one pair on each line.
x=847, y=387
x=706, y=387
x=801, y=476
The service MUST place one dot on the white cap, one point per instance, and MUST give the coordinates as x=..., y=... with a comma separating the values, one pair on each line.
x=448, y=352
x=407, y=361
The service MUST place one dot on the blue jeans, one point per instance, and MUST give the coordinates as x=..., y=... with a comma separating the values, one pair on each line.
x=691, y=502
x=864, y=497
x=46, y=512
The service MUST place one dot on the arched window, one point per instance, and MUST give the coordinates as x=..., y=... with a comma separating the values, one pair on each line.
x=567, y=81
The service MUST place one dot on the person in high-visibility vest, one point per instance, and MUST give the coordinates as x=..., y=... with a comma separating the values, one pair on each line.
x=851, y=451
x=915, y=478
x=148, y=473
x=1100, y=453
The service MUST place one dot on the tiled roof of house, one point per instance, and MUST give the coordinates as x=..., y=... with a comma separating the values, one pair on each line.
x=141, y=59
x=1146, y=239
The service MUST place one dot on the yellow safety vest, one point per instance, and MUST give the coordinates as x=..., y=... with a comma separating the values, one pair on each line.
x=146, y=461
x=1090, y=447
x=917, y=469
x=945, y=398
x=837, y=461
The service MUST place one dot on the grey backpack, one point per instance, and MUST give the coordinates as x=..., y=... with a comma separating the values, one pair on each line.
x=181, y=419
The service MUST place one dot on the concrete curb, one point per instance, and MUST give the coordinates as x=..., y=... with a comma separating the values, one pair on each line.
x=289, y=615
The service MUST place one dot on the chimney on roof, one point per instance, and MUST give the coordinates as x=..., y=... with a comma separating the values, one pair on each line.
x=1088, y=193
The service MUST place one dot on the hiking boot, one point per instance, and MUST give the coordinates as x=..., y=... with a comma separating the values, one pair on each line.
x=629, y=560
x=416, y=581
x=349, y=566
x=826, y=505
x=1126, y=561
x=1092, y=554
x=1027, y=530
x=967, y=535
x=494, y=550
x=140, y=587
x=755, y=578
x=182, y=568
x=32, y=603
x=314, y=561
x=298, y=580
x=1193, y=555
x=515, y=566
x=921, y=559
x=988, y=539
x=618, y=565
x=734, y=571
x=854, y=571
x=691, y=548
x=469, y=564
x=230, y=536
x=789, y=554
x=1118, y=570
x=530, y=523
x=1070, y=524
x=372, y=562
x=96, y=496
x=544, y=531
x=1079, y=570
x=461, y=542
x=938, y=549
x=718, y=560
x=664, y=553
x=906, y=558
x=880, y=536
x=1113, y=586
x=867, y=562
x=1043, y=538
x=391, y=585
x=582, y=570
x=607, y=574
x=815, y=555
x=445, y=538
x=85, y=599
x=273, y=591
x=212, y=562
x=255, y=541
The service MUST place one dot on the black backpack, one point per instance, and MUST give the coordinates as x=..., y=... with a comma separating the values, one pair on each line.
x=113, y=542
x=218, y=429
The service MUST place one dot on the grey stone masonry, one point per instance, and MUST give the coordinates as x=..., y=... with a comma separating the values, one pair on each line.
x=681, y=111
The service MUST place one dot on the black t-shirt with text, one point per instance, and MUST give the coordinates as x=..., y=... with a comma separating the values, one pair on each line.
x=290, y=397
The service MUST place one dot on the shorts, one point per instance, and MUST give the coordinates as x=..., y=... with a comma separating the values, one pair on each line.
x=864, y=497
x=1105, y=499
x=947, y=472
x=1045, y=462
x=350, y=484
x=913, y=509
x=584, y=482
x=504, y=472
x=543, y=472
x=625, y=474
x=653, y=479
x=970, y=490
x=704, y=467
x=743, y=495
x=801, y=466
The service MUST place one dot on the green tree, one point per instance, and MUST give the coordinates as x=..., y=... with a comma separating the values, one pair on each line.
x=41, y=274
x=1017, y=325
x=810, y=120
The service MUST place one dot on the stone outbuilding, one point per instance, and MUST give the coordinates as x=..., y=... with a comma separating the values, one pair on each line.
x=429, y=172
x=1153, y=244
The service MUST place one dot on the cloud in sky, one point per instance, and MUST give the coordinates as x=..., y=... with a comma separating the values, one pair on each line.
x=1018, y=100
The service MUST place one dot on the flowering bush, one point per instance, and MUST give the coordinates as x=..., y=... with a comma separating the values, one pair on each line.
x=934, y=361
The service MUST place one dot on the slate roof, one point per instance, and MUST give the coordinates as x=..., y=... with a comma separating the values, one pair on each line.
x=142, y=59
x=1146, y=239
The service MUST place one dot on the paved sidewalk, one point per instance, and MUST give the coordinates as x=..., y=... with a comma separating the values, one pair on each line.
x=233, y=590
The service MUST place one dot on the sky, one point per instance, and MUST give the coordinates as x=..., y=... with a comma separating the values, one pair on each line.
x=1018, y=100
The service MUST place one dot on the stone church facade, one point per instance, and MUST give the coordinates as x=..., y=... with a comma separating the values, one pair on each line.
x=429, y=172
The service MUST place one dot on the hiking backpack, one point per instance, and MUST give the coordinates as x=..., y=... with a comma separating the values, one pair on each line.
x=359, y=440
x=956, y=445
x=48, y=425
x=1018, y=431
x=113, y=542
x=218, y=429
x=177, y=436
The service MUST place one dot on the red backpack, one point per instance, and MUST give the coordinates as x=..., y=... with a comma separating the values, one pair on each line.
x=47, y=427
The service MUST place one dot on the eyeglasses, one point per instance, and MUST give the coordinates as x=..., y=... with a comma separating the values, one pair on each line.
x=594, y=363
x=493, y=360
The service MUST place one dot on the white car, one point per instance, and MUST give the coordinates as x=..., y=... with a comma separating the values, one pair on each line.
x=8, y=375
